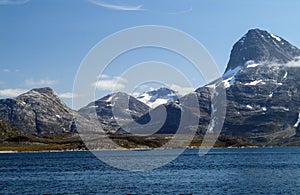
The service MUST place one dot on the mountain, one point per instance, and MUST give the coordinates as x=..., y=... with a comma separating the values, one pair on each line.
x=39, y=120
x=114, y=110
x=39, y=111
x=260, y=46
x=262, y=85
x=158, y=97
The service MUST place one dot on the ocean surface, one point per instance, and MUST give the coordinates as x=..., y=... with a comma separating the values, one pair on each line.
x=221, y=171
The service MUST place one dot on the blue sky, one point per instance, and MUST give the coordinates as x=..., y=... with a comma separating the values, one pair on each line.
x=43, y=42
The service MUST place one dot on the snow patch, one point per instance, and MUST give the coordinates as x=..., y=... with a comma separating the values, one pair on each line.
x=109, y=99
x=252, y=65
x=285, y=75
x=227, y=82
x=255, y=82
x=271, y=95
x=229, y=76
x=285, y=109
x=158, y=97
x=264, y=108
x=298, y=121
x=280, y=108
x=158, y=102
x=250, y=107
x=275, y=37
x=58, y=116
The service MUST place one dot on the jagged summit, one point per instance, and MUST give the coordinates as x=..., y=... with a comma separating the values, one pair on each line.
x=45, y=90
x=259, y=45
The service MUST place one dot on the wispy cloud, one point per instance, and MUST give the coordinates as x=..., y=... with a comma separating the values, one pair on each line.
x=118, y=7
x=294, y=63
x=11, y=92
x=7, y=70
x=180, y=11
x=13, y=2
x=116, y=83
x=42, y=82
x=68, y=95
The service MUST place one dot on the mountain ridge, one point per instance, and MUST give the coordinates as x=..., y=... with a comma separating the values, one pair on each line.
x=263, y=102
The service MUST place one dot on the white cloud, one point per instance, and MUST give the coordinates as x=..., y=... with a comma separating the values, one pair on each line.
x=181, y=90
x=115, y=83
x=42, y=82
x=68, y=95
x=118, y=7
x=5, y=70
x=13, y=2
x=11, y=92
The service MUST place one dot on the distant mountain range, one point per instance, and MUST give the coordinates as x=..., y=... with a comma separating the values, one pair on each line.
x=262, y=82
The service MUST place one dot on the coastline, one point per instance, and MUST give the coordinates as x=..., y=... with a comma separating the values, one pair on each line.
x=131, y=149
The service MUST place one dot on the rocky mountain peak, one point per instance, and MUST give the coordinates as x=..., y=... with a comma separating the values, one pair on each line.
x=44, y=90
x=117, y=105
x=37, y=111
x=158, y=97
x=161, y=91
x=39, y=95
x=261, y=46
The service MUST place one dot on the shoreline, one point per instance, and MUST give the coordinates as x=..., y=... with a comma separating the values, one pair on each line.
x=134, y=149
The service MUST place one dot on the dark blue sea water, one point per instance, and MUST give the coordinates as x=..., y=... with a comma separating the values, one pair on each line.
x=221, y=171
